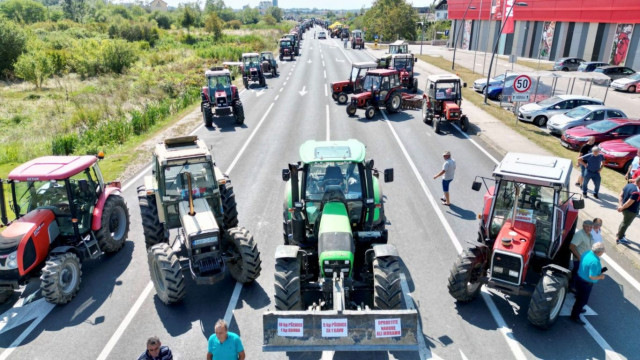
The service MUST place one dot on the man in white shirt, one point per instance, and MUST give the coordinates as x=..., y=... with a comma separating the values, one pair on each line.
x=596, y=232
x=448, y=170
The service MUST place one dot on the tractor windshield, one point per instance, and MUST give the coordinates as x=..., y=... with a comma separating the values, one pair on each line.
x=220, y=83
x=371, y=82
x=266, y=56
x=176, y=186
x=357, y=73
x=251, y=61
x=326, y=176
x=34, y=194
x=447, y=90
x=402, y=63
x=285, y=44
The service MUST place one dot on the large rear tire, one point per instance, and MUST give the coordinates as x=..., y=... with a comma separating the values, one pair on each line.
x=387, y=289
x=394, y=103
x=115, y=224
x=207, y=115
x=154, y=232
x=287, y=285
x=425, y=113
x=464, y=279
x=166, y=273
x=334, y=95
x=61, y=277
x=229, y=205
x=243, y=245
x=415, y=86
x=342, y=98
x=547, y=299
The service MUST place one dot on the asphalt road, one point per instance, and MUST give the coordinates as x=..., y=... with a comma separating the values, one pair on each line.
x=116, y=309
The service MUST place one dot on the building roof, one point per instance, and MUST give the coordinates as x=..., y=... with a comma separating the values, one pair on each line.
x=52, y=168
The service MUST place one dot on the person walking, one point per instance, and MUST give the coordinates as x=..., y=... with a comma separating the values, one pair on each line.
x=448, y=170
x=596, y=232
x=580, y=244
x=224, y=344
x=629, y=206
x=593, y=163
x=584, y=150
x=155, y=350
x=590, y=272
x=635, y=164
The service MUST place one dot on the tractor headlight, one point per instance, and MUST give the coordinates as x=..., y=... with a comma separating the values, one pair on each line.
x=498, y=269
x=513, y=273
x=12, y=260
x=211, y=240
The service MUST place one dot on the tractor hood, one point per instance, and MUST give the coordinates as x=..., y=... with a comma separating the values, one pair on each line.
x=339, y=85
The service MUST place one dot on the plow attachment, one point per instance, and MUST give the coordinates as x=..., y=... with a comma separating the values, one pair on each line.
x=411, y=102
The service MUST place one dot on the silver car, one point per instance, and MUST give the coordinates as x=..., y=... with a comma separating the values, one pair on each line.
x=629, y=84
x=582, y=115
x=540, y=112
x=567, y=64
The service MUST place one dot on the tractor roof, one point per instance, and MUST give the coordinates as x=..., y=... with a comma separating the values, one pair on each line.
x=382, y=72
x=398, y=43
x=184, y=147
x=319, y=151
x=534, y=169
x=442, y=77
x=210, y=73
x=402, y=56
x=250, y=54
x=52, y=168
x=365, y=65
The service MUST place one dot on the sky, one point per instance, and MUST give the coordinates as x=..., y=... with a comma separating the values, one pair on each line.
x=323, y=4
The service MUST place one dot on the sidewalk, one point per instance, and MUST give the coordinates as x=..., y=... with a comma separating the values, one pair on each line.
x=504, y=140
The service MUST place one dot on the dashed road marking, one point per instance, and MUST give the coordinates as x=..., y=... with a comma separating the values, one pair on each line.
x=276, y=98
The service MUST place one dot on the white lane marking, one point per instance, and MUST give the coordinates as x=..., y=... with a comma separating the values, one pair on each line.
x=244, y=147
x=123, y=325
x=18, y=315
x=303, y=92
x=608, y=350
x=506, y=332
x=281, y=89
x=622, y=272
x=285, y=83
x=339, y=60
x=232, y=303
x=287, y=77
x=323, y=63
x=276, y=98
x=462, y=355
x=423, y=350
x=325, y=90
x=325, y=74
x=328, y=124
x=476, y=144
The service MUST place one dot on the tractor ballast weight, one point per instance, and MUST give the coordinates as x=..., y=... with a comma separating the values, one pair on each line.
x=252, y=70
x=527, y=222
x=442, y=100
x=337, y=281
x=380, y=88
x=220, y=97
x=341, y=89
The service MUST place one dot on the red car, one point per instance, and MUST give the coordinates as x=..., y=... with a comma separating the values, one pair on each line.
x=605, y=130
x=618, y=154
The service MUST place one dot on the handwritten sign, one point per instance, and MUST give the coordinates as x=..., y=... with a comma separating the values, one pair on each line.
x=334, y=327
x=524, y=215
x=388, y=328
x=290, y=327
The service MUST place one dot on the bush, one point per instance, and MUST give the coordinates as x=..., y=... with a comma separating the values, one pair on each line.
x=134, y=31
x=234, y=24
x=163, y=20
x=86, y=60
x=34, y=67
x=118, y=55
x=13, y=42
x=269, y=20
x=59, y=61
x=24, y=11
x=213, y=25
x=64, y=144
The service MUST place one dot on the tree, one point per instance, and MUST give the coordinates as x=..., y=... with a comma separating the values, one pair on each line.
x=13, y=42
x=190, y=16
x=75, y=9
x=34, y=67
x=24, y=11
x=214, y=25
x=391, y=19
x=276, y=12
x=249, y=15
x=269, y=20
x=163, y=20
x=118, y=55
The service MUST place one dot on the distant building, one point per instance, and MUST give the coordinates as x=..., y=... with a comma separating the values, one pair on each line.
x=263, y=6
x=442, y=10
x=158, y=5
x=275, y=3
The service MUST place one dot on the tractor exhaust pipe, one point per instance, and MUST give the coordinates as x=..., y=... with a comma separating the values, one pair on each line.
x=3, y=205
x=191, y=211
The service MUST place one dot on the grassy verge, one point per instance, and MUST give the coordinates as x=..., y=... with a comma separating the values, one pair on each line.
x=611, y=179
x=534, y=64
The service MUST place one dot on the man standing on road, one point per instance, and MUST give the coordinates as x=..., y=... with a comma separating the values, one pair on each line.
x=224, y=344
x=635, y=164
x=584, y=150
x=590, y=272
x=155, y=350
x=593, y=163
x=580, y=244
x=629, y=206
x=448, y=170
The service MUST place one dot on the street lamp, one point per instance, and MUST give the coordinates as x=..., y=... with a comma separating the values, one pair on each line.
x=453, y=64
x=495, y=48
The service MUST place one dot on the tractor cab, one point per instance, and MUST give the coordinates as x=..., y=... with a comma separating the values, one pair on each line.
x=286, y=48
x=218, y=86
x=341, y=89
x=442, y=101
x=250, y=62
x=399, y=47
x=252, y=69
x=357, y=39
x=380, y=87
x=295, y=46
x=268, y=57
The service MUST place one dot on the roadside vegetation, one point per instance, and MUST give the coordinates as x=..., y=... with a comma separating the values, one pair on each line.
x=83, y=76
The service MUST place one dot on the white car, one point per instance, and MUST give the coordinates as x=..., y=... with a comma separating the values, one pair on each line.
x=322, y=35
x=540, y=112
x=629, y=84
x=582, y=115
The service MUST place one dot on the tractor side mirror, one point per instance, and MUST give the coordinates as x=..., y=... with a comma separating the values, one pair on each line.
x=430, y=86
x=233, y=78
x=388, y=175
x=464, y=84
x=578, y=204
x=286, y=174
x=476, y=186
x=415, y=59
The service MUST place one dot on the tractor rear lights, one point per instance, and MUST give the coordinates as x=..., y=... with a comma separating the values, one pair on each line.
x=206, y=241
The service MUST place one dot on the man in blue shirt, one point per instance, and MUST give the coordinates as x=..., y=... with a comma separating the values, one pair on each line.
x=593, y=163
x=155, y=350
x=589, y=273
x=224, y=345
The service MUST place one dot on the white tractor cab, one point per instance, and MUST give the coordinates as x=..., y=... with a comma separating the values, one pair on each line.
x=398, y=47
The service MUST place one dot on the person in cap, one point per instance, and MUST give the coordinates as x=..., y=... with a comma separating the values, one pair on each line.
x=584, y=150
x=580, y=244
x=593, y=163
x=596, y=232
x=448, y=170
x=155, y=350
x=589, y=273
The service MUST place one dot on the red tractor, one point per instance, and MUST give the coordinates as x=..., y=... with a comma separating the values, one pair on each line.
x=357, y=39
x=220, y=97
x=341, y=89
x=64, y=214
x=404, y=64
x=441, y=102
x=526, y=226
x=379, y=88
x=252, y=70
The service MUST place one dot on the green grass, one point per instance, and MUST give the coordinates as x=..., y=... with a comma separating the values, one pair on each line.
x=611, y=179
x=534, y=64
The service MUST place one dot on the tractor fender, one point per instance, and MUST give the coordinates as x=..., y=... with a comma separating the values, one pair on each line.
x=556, y=268
x=287, y=251
x=234, y=92
x=205, y=94
x=384, y=250
x=96, y=222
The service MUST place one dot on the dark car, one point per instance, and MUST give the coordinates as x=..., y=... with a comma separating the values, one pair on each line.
x=619, y=154
x=589, y=66
x=614, y=72
x=605, y=130
x=567, y=64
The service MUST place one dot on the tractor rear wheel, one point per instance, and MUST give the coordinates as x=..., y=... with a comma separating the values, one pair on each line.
x=274, y=72
x=229, y=205
x=245, y=82
x=287, y=284
x=464, y=279
x=166, y=273
x=342, y=98
x=207, y=115
x=241, y=244
x=115, y=224
x=436, y=125
x=238, y=112
x=351, y=110
x=152, y=228
x=262, y=81
x=464, y=123
x=547, y=299
x=5, y=295
x=394, y=103
x=387, y=291
x=61, y=277
x=370, y=112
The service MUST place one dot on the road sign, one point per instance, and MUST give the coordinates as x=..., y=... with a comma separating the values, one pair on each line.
x=519, y=97
x=376, y=37
x=522, y=83
x=446, y=32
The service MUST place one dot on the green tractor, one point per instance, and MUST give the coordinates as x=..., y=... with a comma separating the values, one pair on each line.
x=336, y=270
x=188, y=192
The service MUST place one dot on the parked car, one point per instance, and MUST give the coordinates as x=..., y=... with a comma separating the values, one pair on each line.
x=582, y=115
x=589, y=66
x=540, y=112
x=619, y=154
x=567, y=64
x=629, y=84
x=605, y=130
x=614, y=72
x=322, y=35
x=480, y=84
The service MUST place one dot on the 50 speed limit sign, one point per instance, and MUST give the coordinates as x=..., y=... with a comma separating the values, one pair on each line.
x=522, y=83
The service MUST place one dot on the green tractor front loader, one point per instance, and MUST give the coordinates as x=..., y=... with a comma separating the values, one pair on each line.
x=337, y=281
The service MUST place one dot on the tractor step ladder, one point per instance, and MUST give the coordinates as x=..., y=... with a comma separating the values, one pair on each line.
x=91, y=246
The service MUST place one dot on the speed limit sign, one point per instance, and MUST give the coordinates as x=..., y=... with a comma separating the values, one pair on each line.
x=522, y=83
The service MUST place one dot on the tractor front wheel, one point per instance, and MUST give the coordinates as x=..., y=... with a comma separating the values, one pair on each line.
x=415, y=86
x=274, y=72
x=351, y=110
x=245, y=267
x=229, y=205
x=387, y=290
x=437, y=122
x=342, y=98
x=394, y=103
x=464, y=279
x=115, y=224
x=547, y=299
x=152, y=228
x=245, y=82
x=5, y=295
x=426, y=118
x=166, y=273
x=370, y=112
x=238, y=112
x=334, y=95
x=60, y=279
x=287, y=284
x=464, y=123
x=262, y=81
x=207, y=115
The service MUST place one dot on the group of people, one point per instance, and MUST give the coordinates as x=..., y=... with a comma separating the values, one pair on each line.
x=223, y=345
